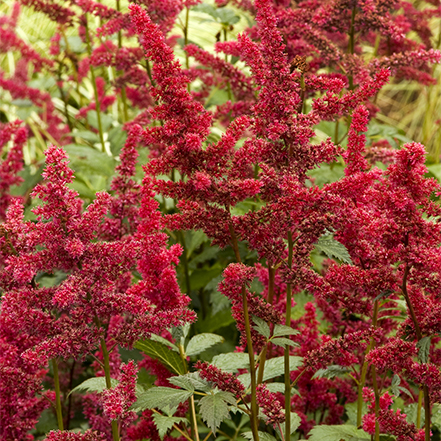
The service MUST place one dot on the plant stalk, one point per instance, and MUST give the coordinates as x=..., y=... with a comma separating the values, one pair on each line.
x=57, y=394
x=95, y=90
x=254, y=406
x=286, y=354
x=115, y=431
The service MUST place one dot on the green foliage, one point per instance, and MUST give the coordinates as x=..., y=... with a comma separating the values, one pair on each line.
x=232, y=362
x=171, y=360
x=331, y=372
x=214, y=408
x=333, y=249
x=337, y=433
x=199, y=343
x=95, y=384
x=166, y=399
x=423, y=349
x=165, y=423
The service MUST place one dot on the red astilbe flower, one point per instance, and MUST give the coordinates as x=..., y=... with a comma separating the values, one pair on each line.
x=117, y=401
x=65, y=435
x=238, y=276
x=69, y=320
x=390, y=421
x=222, y=380
x=12, y=162
x=270, y=405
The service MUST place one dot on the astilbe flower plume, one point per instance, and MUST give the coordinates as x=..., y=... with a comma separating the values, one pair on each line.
x=12, y=162
x=69, y=320
x=222, y=380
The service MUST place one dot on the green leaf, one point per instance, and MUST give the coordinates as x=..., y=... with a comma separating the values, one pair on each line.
x=276, y=366
x=106, y=120
x=261, y=326
x=333, y=249
x=117, y=138
x=183, y=382
x=331, y=372
x=284, y=342
x=218, y=301
x=87, y=135
x=164, y=341
x=227, y=16
x=263, y=436
x=89, y=160
x=199, y=343
x=194, y=239
x=423, y=349
x=206, y=255
x=214, y=408
x=198, y=383
x=200, y=278
x=276, y=387
x=212, y=323
x=337, y=433
x=95, y=384
x=165, y=423
x=171, y=360
x=295, y=423
x=284, y=330
x=231, y=362
x=166, y=399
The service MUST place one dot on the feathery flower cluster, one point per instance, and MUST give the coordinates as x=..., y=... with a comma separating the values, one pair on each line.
x=222, y=380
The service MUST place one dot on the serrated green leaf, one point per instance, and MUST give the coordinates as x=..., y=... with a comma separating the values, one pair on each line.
x=165, y=423
x=231, y=362
x=199, y=343
x=276, y=366
x=183, y=382
x=263, y=436
x=396, y=380
x=166, y=399
x=171, y=360
x=95, y=384
x=276, y=387
x=423, y=349
x=331, y=372
x=333, y=249
x=284, y=342
x=261, y=326
x=164, y=341
x=404, y=390
x=280, y=330
x=295, y=423
x=214, y=408
x=218, y=301
x=337, y=433
x=198, y=382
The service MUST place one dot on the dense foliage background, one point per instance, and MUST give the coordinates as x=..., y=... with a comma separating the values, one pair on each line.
x=218, y=220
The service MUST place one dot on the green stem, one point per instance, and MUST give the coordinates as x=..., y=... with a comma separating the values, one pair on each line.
x=364, y=368
x=194, y=423
x=57, y=394
x=420, y=404
x=95, y=90
x=352, y=44
x=427, y=421
x=106, y=359
x=254, y=406
x=377, y=403
x=123, y=89
x=271, y=277
x=286, y=354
